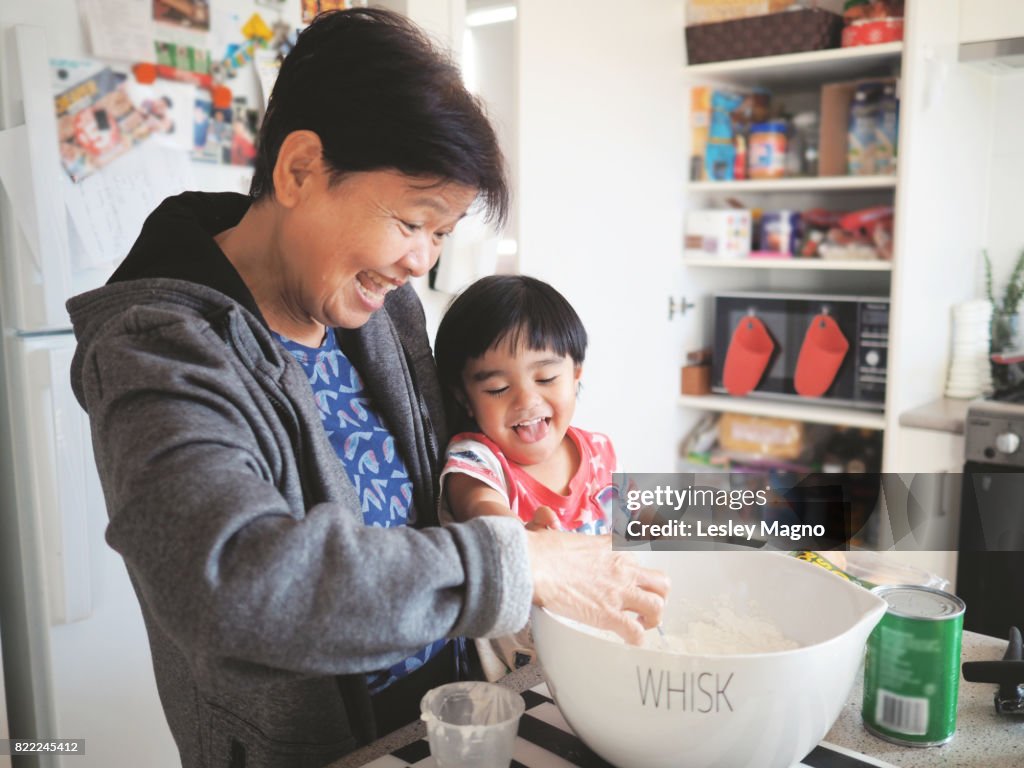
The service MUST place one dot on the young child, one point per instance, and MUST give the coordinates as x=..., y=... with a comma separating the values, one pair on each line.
x=510, y=354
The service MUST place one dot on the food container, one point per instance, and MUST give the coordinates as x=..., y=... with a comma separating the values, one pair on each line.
x=780, y=232
x=768, y=150
x=471, y=724
x=744, y=435
x=912, y=667
x=654, y=707
x=872, y=31
x=719, y=233
x=696, y=379
x=873, y=128
x=809, y=29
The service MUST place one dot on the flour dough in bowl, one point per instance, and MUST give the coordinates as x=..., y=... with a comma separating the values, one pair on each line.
x=658, y=707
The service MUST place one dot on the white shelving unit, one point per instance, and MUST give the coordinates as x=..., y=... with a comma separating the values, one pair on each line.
x=820, y=265
x=808, y=184
x=796, y=77
x=777, y=409
x=796, y=69
x=940, y=199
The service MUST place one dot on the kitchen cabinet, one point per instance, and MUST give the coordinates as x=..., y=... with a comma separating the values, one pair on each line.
x=938, y=193
x=982, y=20
x=937, y=458
x=604, y=186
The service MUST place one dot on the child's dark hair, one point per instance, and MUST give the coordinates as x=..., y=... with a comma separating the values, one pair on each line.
x=515, y=309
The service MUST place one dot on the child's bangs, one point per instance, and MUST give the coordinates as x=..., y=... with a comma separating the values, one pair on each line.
x=537, y=335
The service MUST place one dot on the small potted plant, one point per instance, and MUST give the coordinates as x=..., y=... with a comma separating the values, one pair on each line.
x=1005, y=321
x=1005, y=313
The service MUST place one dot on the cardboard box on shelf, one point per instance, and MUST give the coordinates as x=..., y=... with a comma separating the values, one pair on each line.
x=834, y=144
x=722, y=234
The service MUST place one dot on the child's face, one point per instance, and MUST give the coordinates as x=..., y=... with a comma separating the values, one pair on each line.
x=523, y=400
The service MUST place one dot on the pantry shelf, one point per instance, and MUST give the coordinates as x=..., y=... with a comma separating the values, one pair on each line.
x=810, y=184
x=876, y=265
x=814, y=414
x=794, y=69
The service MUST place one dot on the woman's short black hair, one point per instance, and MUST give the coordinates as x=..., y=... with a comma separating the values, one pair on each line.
x=380, y=95
x=518, y=310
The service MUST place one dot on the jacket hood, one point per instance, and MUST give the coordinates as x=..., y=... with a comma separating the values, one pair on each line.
x=175, y=260
x=177, y=242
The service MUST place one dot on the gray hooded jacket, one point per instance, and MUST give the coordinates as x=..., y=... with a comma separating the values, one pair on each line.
x=265, y=597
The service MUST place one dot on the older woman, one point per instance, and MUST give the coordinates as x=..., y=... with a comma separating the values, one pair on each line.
x=264, y=409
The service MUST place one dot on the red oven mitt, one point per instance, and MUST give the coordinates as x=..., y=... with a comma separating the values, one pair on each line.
x=823, y=351
x=747, y=358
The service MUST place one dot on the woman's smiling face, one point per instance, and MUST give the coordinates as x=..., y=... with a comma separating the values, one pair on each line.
x=344, y=247
x=522, y=399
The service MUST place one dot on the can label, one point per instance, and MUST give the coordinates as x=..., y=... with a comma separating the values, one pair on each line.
x=912, y=667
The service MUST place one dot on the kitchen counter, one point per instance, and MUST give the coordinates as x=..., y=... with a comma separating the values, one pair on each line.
x=983, y=738
x=945, y=415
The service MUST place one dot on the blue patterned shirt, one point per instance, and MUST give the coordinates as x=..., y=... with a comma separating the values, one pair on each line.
x=369, y=455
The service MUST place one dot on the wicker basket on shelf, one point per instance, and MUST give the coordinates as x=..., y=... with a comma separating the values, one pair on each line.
x=811, y=29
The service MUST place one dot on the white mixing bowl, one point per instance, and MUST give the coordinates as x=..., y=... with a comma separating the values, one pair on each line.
x=641, y=707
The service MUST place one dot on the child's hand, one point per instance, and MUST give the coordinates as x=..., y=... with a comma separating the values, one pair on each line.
x=544, y=517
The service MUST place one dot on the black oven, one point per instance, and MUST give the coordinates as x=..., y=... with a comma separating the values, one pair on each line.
x=811, y=347
x=990, y=564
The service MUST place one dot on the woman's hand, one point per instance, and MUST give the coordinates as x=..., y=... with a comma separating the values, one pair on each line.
x=581, y=578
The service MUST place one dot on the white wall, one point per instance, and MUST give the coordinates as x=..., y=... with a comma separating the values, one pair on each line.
x=489, y=71
x=1005, y=216
x=495, y=82
x=601, y=165
x=945, y=144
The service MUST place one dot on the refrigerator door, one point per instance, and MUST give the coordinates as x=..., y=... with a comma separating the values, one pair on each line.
x=5, y=760
x=83, y=630
x=36, y=252
x=45, y=259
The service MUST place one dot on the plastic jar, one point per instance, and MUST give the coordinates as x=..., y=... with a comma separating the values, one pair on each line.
x=767, y=151
x=802, y=152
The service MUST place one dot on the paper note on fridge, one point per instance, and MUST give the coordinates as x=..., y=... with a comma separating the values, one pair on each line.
x=119, y=29
x=108, y=209
x=16, y=177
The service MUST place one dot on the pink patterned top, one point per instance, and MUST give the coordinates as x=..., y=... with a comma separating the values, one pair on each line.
x=585, y=509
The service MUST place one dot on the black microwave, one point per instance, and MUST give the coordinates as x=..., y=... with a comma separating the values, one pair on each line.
x=808, y=347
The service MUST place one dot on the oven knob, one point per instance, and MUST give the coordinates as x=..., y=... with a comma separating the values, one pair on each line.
x=1008, y=442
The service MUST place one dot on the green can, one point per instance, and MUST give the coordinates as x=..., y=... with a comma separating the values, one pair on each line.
x=912, y=667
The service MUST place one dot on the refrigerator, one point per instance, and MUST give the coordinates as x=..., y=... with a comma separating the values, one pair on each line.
x=76, y=661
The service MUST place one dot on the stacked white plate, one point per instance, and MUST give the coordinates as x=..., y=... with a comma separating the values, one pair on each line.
x=970, y=373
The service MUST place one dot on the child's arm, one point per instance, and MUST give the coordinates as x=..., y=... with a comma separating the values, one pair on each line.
x=469, y=498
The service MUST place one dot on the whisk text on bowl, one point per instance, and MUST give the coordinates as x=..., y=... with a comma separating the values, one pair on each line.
x=700, y=692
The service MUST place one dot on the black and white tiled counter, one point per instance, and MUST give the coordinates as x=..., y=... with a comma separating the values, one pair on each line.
x=983, y=739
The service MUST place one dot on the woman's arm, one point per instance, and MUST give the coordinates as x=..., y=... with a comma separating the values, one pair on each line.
x=219, y=526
